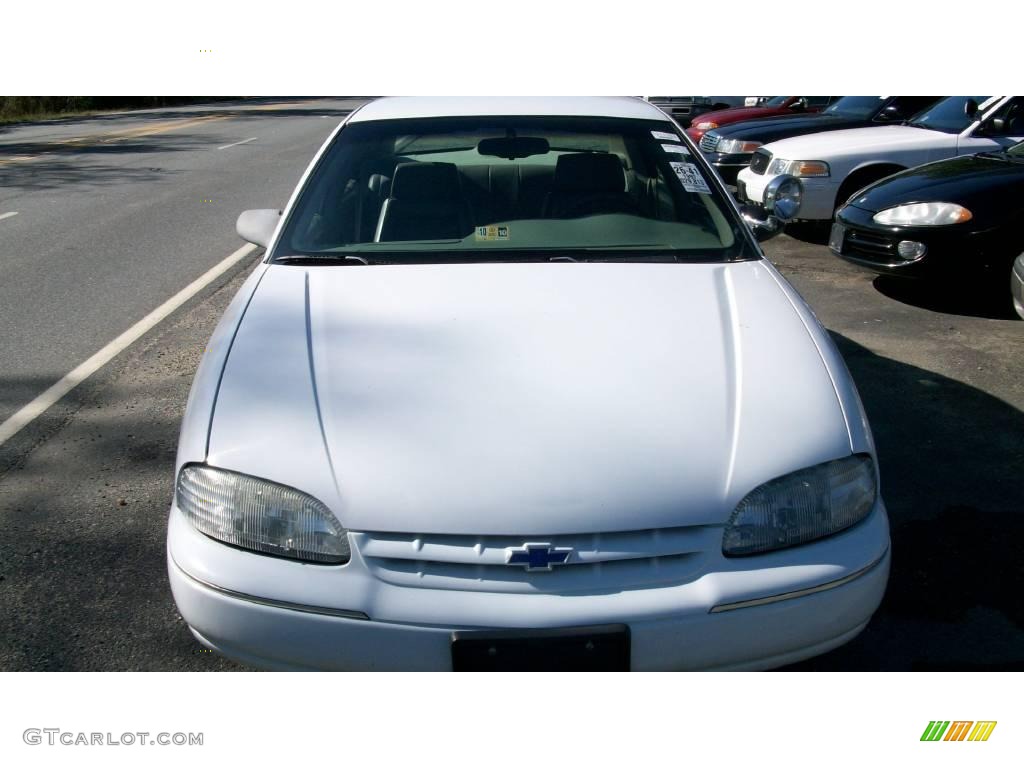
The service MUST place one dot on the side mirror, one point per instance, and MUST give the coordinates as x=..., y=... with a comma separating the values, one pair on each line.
x=892, y=112
x=971, y=108
x=257, y=226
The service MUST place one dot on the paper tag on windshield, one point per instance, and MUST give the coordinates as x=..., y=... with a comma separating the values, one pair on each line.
x=691, y=178
x=664, y=136
x=678, y=149
x=492, y=232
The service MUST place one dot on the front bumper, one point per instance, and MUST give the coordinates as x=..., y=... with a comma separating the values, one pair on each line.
x=819, y=194
x=830, y=589
x=950, y=251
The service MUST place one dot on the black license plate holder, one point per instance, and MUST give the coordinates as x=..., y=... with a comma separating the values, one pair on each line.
x=598, y=648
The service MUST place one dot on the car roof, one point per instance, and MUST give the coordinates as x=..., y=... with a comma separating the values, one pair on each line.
x=402, y=107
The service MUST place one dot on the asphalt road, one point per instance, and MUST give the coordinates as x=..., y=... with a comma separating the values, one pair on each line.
x=84, y=491
x=117, y=213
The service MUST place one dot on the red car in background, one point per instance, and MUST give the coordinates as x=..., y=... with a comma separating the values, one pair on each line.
x=776, y=106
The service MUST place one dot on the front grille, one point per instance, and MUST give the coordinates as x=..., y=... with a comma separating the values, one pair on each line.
x=760, y=161
x=709, y=142
x=600, y=562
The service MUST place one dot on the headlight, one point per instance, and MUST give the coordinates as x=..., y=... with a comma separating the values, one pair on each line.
x=798, y=168
x=802, y=506
x=706, y=126
x=736, y=146
x=923, y=215
x=259, y=515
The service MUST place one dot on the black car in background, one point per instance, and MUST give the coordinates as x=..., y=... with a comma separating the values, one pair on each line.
x=961, y=218
x=730, y=147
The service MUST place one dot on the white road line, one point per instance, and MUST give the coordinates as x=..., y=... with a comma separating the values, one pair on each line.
x=244, y=141
x=8, y=215
x=51, y=396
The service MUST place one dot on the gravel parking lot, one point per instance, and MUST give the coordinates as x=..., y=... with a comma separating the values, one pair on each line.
x=84, y=490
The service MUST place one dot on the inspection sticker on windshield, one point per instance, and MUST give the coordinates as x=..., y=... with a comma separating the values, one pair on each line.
x=664, y=136
x=492, y=232
x=691, y=178
x=678, y=149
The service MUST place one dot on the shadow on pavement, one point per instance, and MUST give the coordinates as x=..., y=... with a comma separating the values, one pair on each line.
x=814, y=232
x=974, y=298
x=951, y=459
x=92, y=164
x=82, y=575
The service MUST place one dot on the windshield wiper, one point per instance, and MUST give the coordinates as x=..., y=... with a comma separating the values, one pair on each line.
x=333, y=259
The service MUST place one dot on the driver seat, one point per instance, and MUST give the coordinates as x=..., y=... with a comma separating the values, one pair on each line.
x=425, y=203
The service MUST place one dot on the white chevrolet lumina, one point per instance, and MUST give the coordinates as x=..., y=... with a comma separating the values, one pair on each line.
x=514, y=388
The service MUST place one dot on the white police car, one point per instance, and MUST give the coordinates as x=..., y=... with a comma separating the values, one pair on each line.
x=830, y=167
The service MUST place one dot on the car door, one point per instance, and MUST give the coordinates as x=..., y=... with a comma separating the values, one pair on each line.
x=1001, y=129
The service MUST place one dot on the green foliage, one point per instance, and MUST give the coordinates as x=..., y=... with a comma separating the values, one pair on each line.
x=14, y=108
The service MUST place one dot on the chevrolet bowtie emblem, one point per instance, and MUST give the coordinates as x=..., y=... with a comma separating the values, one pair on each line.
x=537, y=557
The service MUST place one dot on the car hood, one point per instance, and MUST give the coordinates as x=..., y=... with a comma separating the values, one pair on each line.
x=876, y=141
x=778, y=128
x=528, y=399
x=735, y=114
x=988, y=186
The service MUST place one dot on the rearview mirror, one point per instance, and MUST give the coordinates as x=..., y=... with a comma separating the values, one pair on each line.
x=513, y=147
x=257, y=226
x=970, y=108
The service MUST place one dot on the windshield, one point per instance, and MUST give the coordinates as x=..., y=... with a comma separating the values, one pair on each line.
x=777, y=101
x=502, y=188
x=947, y=116
x=861, y=107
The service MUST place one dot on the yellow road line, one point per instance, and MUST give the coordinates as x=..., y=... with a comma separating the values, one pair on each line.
x=110, y=137
x=149, y=130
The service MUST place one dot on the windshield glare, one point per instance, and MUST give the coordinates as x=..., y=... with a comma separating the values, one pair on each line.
x=862, y=107
x=501, y=188
x=948, y=115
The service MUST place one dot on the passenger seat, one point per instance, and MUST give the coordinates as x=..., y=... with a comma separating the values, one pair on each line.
x=588, y=183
